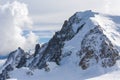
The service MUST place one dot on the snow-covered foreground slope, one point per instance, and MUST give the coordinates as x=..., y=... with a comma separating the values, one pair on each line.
x=65, y=72
x=109, y=76
x=87, y=47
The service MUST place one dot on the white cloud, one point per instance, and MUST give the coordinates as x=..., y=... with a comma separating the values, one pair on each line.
x=30, y=41
x=107, y=6
x=46, y=28
x=13, y=19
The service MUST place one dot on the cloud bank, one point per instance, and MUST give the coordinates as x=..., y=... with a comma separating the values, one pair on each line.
x=13, y=19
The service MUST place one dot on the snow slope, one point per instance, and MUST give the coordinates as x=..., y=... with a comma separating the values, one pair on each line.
x=109, y=76
x=66, y=72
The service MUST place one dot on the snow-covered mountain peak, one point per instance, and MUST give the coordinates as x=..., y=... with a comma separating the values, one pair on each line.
x=109, y=25
x=15, y=58
x=86, y=14
x=98, y=34
x=87, y=41
x=80, y=18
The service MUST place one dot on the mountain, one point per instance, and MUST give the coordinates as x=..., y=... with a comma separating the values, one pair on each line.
x=86, y=46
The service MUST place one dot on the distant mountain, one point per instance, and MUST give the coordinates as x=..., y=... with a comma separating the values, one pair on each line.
x=3, y=57
x=88, y=42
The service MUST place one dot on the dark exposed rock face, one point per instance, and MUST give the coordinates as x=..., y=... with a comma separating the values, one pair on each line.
x=96, y=47
x=4, y=75
x=54, y=47
x=36, y=58
x=108, y=55
x=37, y=48
x=16, y=59
x=22, y=62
